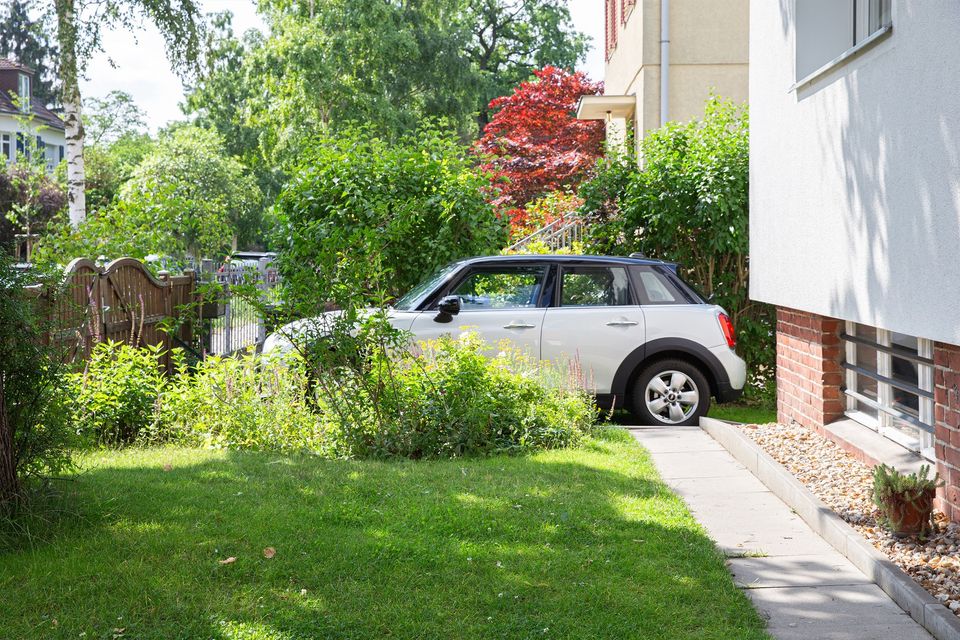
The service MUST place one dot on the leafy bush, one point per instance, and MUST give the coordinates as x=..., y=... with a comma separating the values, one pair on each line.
x=35, y=437
x=689, y=203
x=444, y=399
x=115, y=399
x=248, y=402
x=185, y=198
x=29, y=199
x=448, y=399
x=358, y=201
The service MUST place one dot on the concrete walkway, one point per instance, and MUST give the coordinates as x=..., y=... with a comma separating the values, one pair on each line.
x=799, y=583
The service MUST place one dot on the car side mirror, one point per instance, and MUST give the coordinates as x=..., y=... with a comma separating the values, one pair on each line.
x=449, y=306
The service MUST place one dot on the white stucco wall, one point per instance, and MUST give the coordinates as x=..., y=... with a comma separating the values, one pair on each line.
x=855, y=179
x=9, y=124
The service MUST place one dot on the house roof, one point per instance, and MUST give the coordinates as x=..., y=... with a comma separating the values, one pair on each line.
x=9, y=65
x=40, y=112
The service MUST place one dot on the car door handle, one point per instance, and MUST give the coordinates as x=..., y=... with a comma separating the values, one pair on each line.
x=622, y=323
x=519, y=325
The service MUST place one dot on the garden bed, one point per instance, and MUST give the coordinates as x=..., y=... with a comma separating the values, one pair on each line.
x=171, y=542
x=844, y=484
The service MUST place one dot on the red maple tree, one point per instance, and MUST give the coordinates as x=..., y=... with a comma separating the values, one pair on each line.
x=534, y=143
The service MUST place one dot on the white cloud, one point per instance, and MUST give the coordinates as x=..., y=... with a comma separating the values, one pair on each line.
x=135, y=61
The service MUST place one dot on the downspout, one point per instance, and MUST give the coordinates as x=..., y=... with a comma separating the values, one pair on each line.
x=664, y=61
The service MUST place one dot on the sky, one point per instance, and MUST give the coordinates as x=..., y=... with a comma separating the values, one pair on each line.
x=135, y=62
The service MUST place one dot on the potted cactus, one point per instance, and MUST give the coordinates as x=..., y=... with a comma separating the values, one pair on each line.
x=905, y=500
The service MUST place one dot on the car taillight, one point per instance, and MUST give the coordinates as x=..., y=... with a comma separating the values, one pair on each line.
x=726, y=325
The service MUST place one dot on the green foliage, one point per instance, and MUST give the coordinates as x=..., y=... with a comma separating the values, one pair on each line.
x=508, y=39
x=359, y=202
x=446, y=400
x=247, y=402
x=34, y=430
x=890, y=484
x=449, y=400
x=29, y=200
x=109, y=166
x=902, y=498
x=115, y=398
x=114, y=116
x=388, y=65
x=689, y=203
x=185, y=198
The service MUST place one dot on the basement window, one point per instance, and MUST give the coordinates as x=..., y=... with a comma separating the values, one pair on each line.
x=828, y=32
x=889, y=385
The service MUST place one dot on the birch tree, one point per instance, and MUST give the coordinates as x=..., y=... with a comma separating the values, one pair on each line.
x=80, y=24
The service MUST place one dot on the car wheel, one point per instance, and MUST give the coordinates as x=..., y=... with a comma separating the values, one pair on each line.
x=670, y=393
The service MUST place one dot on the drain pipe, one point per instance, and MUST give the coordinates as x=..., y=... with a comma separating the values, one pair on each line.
x=664, y=61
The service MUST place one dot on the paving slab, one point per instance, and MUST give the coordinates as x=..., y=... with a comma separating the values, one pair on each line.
x=800, y=584
x=794, y=571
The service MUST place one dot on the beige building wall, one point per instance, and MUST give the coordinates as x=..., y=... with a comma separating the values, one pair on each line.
x=709, y=52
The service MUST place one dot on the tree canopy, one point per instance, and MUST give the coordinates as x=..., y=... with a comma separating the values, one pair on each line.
x=331, y=65
x=534, y=143
x=28, y=41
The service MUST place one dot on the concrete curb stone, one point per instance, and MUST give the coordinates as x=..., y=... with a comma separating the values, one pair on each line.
x=911, y=597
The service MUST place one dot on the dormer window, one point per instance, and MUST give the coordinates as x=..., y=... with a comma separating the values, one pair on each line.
x=24, y=86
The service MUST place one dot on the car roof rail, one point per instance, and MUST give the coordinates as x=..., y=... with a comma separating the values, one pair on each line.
x=638, y=255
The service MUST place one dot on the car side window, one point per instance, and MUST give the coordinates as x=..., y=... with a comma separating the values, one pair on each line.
x=503, y=287
x=594, y=287
x=659, y=289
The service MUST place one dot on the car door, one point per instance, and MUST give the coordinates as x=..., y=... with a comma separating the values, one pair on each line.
x=594, y=324
x=501, y=301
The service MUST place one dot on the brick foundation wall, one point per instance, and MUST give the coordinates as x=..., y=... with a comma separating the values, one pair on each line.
x=809, y=375
x=946, y=394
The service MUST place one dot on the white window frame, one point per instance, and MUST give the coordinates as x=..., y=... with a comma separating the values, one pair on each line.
x=23, y=84
x=7, y=146
x=872, y=22
x=886, y=412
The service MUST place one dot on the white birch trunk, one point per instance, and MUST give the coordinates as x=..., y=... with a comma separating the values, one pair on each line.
x=76, y=177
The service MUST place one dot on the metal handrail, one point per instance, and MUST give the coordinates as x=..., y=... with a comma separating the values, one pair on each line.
x=559, y=234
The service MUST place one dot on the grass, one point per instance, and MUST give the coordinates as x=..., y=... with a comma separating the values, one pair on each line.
x=583, y=543
x=746, y=413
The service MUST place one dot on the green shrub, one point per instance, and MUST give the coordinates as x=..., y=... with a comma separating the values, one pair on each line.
x=35, y=435
x=246, y=402
x=444, y=399
x=448, y=399
x=115, y=398
x=358, y=201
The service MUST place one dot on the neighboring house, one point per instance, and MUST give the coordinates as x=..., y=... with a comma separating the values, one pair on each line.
x=665, y=58
x=26, y=125
x=855, y=217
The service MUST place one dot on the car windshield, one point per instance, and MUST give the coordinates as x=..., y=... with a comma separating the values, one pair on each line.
x=407, y=302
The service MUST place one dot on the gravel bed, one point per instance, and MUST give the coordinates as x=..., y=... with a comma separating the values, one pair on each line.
x=844, y=484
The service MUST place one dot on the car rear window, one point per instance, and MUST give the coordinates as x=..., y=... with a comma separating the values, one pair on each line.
x=659, y=289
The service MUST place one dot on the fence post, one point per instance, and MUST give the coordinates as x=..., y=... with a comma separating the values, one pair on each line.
x=227, y=319
x=191, y=302
x=168, y=312
x=262, y=264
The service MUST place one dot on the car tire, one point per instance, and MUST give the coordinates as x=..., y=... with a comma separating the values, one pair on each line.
x=670, y=393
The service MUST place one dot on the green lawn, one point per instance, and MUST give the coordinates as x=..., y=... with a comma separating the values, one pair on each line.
x=584, y=543
x=746, y=413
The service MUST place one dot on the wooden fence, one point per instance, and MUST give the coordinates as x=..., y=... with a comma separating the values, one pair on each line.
x=122, y=302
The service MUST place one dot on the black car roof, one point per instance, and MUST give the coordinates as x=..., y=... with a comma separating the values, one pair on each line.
x=563, y=258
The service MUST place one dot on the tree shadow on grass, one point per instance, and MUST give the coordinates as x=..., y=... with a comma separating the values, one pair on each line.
x=580, y=543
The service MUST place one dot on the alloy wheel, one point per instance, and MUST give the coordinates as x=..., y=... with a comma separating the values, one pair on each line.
x=672, y=397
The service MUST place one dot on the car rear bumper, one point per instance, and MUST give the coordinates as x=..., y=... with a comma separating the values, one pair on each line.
x=734, y=374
